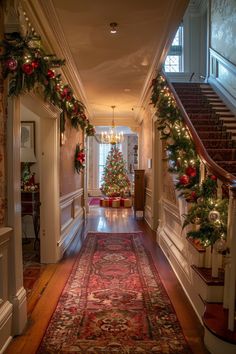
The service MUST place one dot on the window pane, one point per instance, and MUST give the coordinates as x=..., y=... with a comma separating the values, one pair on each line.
x=174, y=59
x=172, y=63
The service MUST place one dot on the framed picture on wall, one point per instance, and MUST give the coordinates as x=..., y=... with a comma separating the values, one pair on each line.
x=28, y=135
x=27, y=148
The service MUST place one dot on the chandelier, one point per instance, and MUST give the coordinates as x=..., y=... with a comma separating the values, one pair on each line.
x=112, y=137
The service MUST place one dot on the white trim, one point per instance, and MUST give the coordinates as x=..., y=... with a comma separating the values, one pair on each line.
x=19, y=311
x=67, y=198
x=216, y=345
x=72, y=225
x=5, y=325
x=69, y=231
x=49, y=161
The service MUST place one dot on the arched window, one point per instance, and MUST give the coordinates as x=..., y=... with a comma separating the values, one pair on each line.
x=174, y=61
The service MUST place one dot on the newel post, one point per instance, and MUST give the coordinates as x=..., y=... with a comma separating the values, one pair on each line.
x=230, y=271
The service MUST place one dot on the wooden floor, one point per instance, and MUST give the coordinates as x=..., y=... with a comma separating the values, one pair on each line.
x=47, y=290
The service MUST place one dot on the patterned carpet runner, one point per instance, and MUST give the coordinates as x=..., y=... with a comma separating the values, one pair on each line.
x=114, y=302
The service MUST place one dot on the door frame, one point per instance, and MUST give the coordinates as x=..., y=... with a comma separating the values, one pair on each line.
x=49, y=168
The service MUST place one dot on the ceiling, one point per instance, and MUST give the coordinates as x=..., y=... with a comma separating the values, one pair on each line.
x=116, y=69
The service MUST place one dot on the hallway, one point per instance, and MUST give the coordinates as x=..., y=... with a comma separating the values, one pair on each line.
x=53, y=279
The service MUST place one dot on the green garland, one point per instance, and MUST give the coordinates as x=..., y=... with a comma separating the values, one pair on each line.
x=79, y=159
x=28, y=67
x=207, y=213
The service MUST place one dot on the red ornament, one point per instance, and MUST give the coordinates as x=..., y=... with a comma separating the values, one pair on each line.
x=35, y=64
x=28, y=68
x=184, y=179
x=50, y=74
x=69, y=97
x=11, y=64
x=214, y=178
x=64, y=92
x=193, y=196
x=57, y=87
x=191, y=171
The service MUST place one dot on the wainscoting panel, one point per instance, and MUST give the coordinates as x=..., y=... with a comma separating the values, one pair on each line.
x=173, y=242
x=223, y=77
x=72, y=217
x=148, y=213
x=6, y=308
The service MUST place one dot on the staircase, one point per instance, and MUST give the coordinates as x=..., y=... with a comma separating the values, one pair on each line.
x=215, y=125
x=213, y=121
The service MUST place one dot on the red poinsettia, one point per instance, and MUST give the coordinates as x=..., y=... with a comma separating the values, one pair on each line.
x=81, y=157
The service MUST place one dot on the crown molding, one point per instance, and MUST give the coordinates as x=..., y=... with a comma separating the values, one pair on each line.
x=44, y=19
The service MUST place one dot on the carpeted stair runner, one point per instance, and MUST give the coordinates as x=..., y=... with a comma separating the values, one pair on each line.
x=212, y=120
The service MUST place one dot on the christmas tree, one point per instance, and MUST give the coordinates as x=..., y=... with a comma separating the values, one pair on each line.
x=115, y=181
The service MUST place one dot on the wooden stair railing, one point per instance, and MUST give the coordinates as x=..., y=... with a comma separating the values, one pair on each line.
x=228, y=180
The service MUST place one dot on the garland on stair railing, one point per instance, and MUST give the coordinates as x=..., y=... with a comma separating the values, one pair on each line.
x=206, y=212
x=28, y=67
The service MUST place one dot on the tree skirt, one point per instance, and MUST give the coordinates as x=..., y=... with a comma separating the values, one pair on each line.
x=114, y=302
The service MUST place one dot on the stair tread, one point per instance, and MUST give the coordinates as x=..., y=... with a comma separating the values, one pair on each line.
x=205, y=274
x=215, y=319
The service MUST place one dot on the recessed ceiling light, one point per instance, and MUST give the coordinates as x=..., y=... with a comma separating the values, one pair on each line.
x=127, y=89
x=113, y=27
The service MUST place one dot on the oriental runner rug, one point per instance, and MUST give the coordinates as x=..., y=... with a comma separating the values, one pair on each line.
x=114, y=302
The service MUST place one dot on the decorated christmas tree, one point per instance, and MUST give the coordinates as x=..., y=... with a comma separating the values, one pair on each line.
x=115, y=181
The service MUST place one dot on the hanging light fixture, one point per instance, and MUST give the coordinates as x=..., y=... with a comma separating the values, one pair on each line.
x=112, y=137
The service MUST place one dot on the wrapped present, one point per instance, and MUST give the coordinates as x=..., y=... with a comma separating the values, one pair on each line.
x=105, y=203
x=121, y=202
x=101, y=201
x=127, y=203
x=116, y=203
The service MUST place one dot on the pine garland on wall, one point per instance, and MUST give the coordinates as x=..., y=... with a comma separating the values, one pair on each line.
x=28, y=67
x=206, y=212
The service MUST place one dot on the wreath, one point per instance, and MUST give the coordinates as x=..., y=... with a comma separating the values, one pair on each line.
x=79, y=160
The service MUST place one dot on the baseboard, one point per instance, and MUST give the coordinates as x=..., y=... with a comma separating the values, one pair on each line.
x=169, y=249
x=216, y=345
x=19, y=311
x=69, y=232
x=5, y=325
